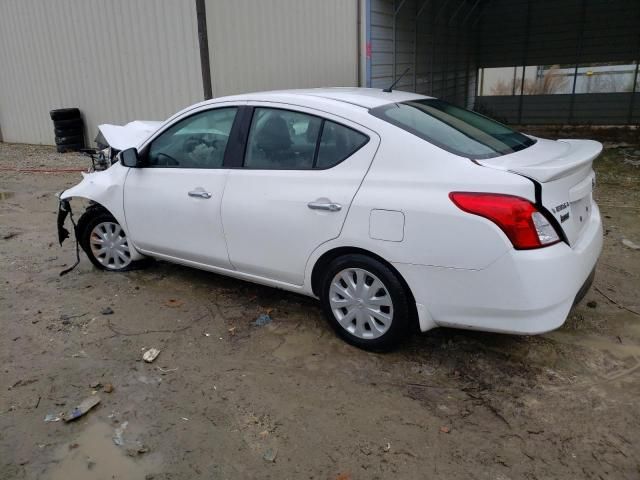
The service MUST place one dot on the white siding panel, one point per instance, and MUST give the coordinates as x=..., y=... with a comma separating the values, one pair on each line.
x=117, y=61
x=274, y=44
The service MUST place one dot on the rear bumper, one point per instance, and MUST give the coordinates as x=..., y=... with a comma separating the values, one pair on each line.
x=523, y=292
x=585, y=287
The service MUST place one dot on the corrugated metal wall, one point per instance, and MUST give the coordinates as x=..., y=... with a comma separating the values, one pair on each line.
x=447, y=37
x=581, y=109
x=275, y=44
x=445, y=41
x=434, y=38
x=566, y=33
x=544, y=32
x=382, y=44
x=117, y=60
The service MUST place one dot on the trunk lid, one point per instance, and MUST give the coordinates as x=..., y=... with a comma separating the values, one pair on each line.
x=564, y=171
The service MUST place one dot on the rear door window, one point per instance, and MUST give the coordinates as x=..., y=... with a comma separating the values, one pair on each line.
x=454, y=129
x=288, y=140
x=282, y=140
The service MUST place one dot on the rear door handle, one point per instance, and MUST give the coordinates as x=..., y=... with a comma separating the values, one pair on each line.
x=199, y=194
x=329, y=206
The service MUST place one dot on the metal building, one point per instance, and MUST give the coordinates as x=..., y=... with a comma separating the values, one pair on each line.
x=539, y=53
x=145, y=59
x=522, y=61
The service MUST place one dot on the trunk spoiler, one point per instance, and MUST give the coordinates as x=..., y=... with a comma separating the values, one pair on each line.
x=547, y=161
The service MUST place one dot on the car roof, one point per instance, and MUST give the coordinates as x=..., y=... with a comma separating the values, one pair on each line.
x=361, y=97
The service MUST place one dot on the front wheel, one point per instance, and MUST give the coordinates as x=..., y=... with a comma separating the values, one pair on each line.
x=365, y=302
x=105, y=241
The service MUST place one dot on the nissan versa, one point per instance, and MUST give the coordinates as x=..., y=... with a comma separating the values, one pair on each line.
x=394, y=209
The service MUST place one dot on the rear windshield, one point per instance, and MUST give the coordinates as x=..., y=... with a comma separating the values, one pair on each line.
x=454, y=129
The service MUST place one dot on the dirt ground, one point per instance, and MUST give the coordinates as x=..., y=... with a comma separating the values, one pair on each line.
x=227, y=399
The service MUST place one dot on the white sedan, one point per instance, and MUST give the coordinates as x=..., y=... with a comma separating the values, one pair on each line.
x=393, y=209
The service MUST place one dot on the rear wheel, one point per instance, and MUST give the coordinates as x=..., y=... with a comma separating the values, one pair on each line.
x=365, y=302
x=105, y=241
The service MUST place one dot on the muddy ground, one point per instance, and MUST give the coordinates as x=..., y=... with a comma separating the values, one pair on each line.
x=227, y=399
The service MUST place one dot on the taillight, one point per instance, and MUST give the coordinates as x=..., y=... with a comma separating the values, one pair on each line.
x=518, y=218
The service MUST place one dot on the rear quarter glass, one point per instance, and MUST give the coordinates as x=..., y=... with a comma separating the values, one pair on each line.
x=454, y=129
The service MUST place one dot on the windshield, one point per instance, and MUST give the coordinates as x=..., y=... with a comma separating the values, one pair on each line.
x=454, y=129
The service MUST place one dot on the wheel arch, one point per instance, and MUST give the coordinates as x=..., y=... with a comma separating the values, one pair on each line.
x=105, y=188
x=96, y=208
x=327, y=257
x=92, y=209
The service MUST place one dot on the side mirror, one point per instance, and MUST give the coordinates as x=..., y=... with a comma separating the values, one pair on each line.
x=129, y=158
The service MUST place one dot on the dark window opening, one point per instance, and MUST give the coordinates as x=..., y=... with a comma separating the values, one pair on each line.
x=198, y=141
x=287, y=140
x=454, y=129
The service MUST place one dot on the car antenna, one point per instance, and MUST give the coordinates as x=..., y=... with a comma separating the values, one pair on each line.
x=390, y=88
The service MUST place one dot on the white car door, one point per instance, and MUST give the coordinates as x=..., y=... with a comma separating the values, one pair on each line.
x=300, y=173
x=172, y=204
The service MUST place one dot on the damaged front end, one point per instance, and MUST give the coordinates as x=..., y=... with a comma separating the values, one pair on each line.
x=64, y=210
x=102, y=186
x=112, y=139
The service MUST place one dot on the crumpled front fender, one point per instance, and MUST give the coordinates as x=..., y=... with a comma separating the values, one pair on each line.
x=106, y=189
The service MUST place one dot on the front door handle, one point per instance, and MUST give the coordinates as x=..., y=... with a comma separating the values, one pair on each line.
x=328, y=206
x=199, y=194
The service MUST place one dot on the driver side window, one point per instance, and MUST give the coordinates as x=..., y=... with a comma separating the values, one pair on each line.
x=198, y=141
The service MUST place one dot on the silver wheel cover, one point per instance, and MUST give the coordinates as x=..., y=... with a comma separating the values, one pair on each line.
x=109, y=245
x=361, y=303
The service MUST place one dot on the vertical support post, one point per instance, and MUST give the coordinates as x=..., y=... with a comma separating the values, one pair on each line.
x=396, y=10
x=467, y=68
x=433, y=53
x=359, y=43
x=419, y=11
x=583, y=12
x=368, y=50
x=415, y=54
x=203, y=42
x=456, y=57
x=525, y=55
x=634, y=88
x=477, y=48
x=393, y=41
x=445, y=57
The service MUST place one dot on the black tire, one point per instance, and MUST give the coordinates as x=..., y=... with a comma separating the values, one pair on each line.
x=71, y=123
x=69, y=147
x=68, y=132
x=70, y=139
x=401, y=315
x=92, y=217
x=64, y=114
